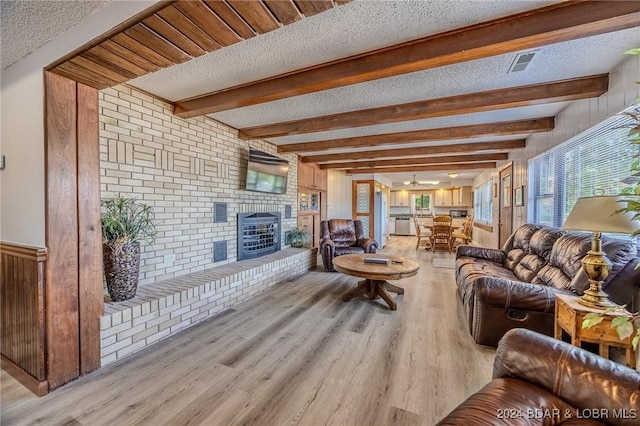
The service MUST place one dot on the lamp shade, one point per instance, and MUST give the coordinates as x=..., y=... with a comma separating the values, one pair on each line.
x=597, y=214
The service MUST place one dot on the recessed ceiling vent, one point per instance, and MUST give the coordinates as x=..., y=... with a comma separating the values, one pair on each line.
x=521, y=61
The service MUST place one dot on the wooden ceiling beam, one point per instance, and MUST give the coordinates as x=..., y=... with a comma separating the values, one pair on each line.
x=534, y=94
x=423, y=150
x=551, y=24
x=433, y=168
x=504, y=128
x=448, y=159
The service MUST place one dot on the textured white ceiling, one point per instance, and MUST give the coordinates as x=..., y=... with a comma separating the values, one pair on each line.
x=362, y=26
x=353, y=28
x=27, y=25
x=550, y=63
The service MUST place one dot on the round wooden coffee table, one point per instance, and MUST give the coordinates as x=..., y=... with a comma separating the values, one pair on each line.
x=376, y=275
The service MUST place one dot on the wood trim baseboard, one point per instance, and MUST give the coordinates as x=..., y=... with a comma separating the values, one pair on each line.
x=36, y=386
x=39, y=254
x=488, y=228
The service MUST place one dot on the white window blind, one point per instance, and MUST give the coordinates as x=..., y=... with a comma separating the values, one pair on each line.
x=598, y=159
x=483, y=202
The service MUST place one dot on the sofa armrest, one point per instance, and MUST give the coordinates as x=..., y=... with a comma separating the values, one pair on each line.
x=584, y=380
x=328, y=243
x=368, y=244
x=516, y=294
x=493, y=255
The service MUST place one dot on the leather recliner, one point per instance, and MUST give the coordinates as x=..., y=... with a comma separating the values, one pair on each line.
x=538, y=380
x=343, y=236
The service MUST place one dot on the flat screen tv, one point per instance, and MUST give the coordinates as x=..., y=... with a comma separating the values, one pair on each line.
x=266, y=173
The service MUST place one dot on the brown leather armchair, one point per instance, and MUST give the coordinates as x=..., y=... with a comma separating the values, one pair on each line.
x=538, y=380
x=343, y=236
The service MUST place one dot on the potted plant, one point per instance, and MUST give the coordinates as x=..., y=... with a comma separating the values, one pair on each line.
x=299, y=238
x=125, y=223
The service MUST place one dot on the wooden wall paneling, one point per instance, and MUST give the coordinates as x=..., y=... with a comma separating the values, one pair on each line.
x=91, y=298
x=22, y=292
x=226, y=13
x=256, y=14
x=77, y=73
x=140, y=49
x=95, y=68
x=160, y=26
x=188, y=28
x=312, y=7
x=203, y=16
x=106, y=58
x=171, y=32
x=130, y=56
x=285, y=10
x=153, y=41
x=61, y=231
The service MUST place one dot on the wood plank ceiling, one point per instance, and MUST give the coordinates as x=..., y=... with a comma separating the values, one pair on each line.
x=179, y=31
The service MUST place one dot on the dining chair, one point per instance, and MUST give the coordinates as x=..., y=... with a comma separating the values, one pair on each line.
x=463, y=235
x=441, y=233
x=423, y=240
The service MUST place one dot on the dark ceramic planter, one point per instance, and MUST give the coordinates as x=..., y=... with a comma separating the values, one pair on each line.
x=121, y=270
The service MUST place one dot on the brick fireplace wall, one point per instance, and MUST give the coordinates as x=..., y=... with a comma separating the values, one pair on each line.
x=181, y=167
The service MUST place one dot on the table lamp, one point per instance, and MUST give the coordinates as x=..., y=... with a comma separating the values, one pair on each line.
x=597, y=215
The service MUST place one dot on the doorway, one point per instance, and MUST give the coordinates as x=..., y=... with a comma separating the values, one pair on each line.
x=505, y=220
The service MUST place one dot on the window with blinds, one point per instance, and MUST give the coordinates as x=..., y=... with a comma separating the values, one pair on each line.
x=483, y=203
x=596, y=161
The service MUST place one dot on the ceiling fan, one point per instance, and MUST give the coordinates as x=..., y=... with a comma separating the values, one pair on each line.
x=415, y=182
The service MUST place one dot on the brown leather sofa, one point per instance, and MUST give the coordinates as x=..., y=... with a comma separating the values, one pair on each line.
x=501, y=289
x=538, y=380
x=343, y=236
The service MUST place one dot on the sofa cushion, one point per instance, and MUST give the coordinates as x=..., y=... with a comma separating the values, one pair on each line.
x=540, y=246
x=565, y=260
x=483, y=268
x=517, y=246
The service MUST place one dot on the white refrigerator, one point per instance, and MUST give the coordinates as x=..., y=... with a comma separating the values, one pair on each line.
x=380, y=220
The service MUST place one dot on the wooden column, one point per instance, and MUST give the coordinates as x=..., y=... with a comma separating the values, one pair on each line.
x=90, y=293
x=74, y=300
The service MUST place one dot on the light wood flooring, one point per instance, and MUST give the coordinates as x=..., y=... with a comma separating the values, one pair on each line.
x=294, y=355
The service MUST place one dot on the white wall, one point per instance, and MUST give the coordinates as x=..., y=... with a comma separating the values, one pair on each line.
x=22, y=185
x=22, y=181
x=338, y=195
x=577, y=117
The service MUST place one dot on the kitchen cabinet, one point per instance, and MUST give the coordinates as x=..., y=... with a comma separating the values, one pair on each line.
x=442, y=198
x=312, y=177
x=311, y=224
x=392, y=226
x=454, y=197
x=466, y=196
x=399, y=199
x=308, y=201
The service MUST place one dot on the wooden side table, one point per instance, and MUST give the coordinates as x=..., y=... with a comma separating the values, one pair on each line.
x=568, y=317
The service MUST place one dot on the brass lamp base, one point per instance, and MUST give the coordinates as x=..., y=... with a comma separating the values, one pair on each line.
x=597, y=267
x=594, y=297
